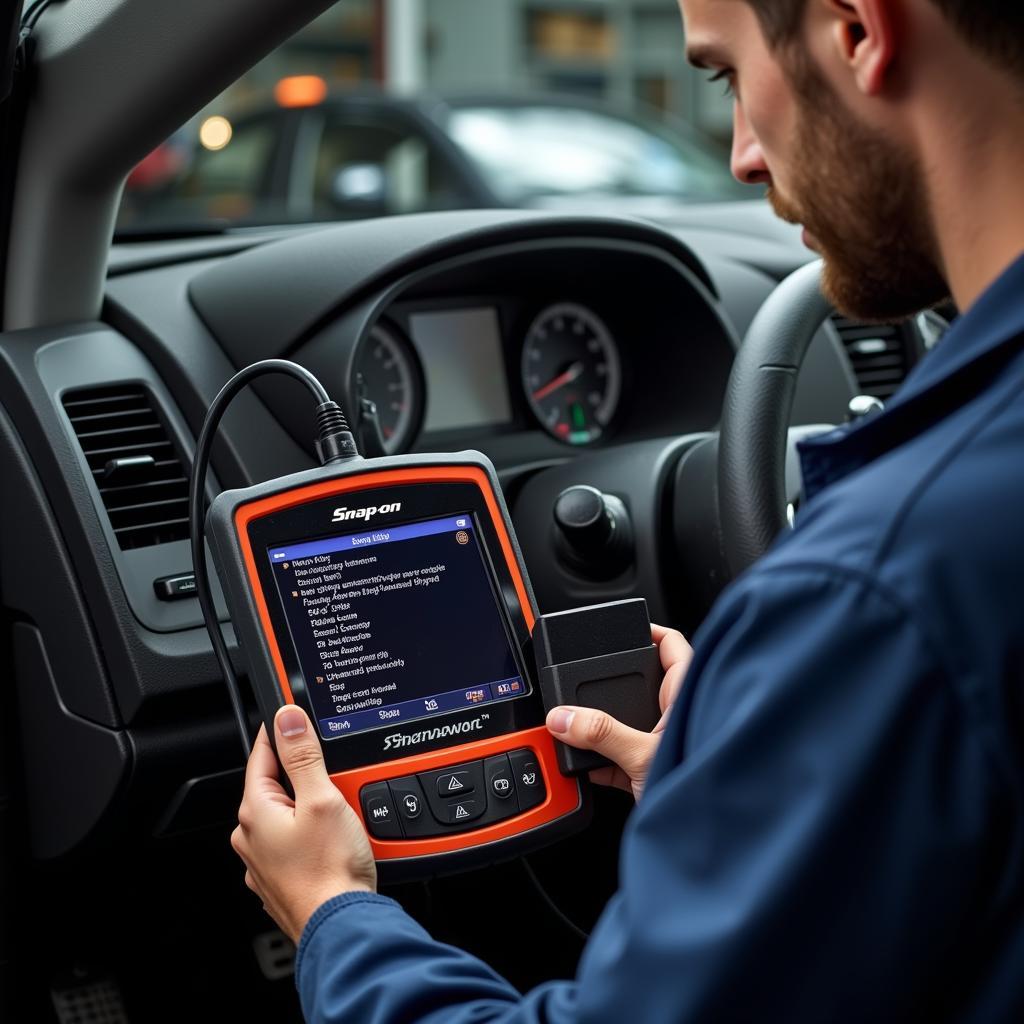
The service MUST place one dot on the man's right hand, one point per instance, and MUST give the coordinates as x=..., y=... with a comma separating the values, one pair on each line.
x=629, y=750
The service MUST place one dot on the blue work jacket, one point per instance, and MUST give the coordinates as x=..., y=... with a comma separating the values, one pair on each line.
x=832, y=827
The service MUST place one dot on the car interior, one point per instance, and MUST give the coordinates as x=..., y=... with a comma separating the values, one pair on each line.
x=121, y=774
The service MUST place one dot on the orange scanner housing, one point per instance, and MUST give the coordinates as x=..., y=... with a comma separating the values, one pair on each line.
x=563, y=794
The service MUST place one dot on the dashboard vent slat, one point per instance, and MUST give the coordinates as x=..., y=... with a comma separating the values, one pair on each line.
x=877, y=353
x=146, y=504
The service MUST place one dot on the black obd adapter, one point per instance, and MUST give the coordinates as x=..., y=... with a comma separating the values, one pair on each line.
x=600, y=657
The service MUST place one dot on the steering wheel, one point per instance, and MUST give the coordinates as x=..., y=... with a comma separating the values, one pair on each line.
x=753, y=437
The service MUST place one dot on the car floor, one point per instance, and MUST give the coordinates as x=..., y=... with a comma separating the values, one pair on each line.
x=170, y=928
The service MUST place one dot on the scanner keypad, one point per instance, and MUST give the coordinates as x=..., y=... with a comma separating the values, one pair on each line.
x=456, y=798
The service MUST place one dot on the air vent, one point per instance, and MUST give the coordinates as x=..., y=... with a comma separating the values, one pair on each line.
x=140, y=477
x=878, y=355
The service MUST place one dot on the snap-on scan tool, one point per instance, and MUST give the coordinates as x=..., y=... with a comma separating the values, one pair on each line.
x=389, y=599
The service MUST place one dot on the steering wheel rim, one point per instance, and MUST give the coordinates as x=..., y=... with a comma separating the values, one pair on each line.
x=756, y=414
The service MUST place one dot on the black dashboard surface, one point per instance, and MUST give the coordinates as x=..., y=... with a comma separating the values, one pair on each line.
x=316, y=295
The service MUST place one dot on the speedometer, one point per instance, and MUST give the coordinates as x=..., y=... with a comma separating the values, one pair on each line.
x=571, y=372
x=392, y=379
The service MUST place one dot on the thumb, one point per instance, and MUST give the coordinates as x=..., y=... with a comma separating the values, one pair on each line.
x=590, y=729
x=299, y=752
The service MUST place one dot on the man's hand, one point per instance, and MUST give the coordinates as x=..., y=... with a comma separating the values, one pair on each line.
x=630, y=750
x=299, y=853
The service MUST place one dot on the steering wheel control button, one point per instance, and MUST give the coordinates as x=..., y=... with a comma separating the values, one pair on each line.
x=454, y=784
x=379, y=811
x=499, y=781
x=529, y=780
x=174, y=588
x=462, y=811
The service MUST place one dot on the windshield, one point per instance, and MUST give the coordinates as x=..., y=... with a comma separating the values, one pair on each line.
x=385, y=108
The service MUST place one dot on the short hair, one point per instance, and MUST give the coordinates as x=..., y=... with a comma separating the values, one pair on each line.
x=995, y=27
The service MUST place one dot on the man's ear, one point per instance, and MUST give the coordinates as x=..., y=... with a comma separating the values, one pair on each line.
x=865, y=34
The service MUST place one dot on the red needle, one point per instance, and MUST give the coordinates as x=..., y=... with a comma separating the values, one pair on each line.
x=560, y=381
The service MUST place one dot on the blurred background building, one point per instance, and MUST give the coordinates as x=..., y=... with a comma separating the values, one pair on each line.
x=628, y=52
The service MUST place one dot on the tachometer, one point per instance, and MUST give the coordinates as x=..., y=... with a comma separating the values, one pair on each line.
x=572, y=373
x=393, y=380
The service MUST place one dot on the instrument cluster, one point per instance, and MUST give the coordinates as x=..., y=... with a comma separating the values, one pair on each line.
x=434, y=370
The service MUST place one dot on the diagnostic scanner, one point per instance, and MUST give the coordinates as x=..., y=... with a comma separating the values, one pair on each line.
x=389, y=599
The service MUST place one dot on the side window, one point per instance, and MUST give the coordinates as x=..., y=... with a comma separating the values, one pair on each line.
x=368, y=169
x=221, y=172
x=232, y=181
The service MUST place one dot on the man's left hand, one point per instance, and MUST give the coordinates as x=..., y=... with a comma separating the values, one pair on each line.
x=298, y=852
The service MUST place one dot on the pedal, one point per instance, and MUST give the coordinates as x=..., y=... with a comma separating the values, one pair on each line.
x=88, y=1000
x=275, y=954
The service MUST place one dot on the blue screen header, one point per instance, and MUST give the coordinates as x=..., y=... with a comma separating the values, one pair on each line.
x=373, y=538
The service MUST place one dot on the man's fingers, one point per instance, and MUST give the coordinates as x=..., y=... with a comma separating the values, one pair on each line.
x=671, y=685
x=672, y=646
x=300, y=753
x=589, y=729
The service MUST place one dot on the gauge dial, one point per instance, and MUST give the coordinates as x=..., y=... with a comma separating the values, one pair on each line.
x=572, y=373
x=392, y=380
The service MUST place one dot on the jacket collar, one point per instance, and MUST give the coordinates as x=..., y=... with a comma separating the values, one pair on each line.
x=961, y=365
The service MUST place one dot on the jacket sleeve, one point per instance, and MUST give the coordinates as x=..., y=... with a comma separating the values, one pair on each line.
x=362, y=959
x=813, y=843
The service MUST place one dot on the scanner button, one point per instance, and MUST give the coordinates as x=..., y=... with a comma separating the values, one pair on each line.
x=528, y=778
x=413, y=808
x=465, y=810
x=500, y=783
x=379, y=811
x=454, y=784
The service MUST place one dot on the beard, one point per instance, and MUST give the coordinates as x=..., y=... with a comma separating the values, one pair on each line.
x=862, y=198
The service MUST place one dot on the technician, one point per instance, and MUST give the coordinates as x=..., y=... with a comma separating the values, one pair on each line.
x=832, y=827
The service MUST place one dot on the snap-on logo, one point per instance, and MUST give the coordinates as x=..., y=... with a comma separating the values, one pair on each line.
x=410, y=739
x=343, y=513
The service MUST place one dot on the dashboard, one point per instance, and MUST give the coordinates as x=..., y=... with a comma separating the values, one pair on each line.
x=575, y=346
x=544, y=341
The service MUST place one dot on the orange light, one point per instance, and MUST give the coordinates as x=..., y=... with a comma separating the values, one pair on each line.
x=300, y=91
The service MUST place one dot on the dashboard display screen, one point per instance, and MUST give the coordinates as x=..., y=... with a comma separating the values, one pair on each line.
x=461, y=353
x=395, y=624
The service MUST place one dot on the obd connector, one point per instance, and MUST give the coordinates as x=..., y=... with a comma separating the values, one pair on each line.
x=599, y=657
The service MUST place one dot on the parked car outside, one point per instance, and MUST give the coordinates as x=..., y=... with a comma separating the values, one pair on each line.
x=314, y=156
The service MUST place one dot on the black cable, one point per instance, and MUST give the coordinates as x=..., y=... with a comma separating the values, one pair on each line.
x=334, y=444
x=30, y=18
x=552, y=905
x=29, y=13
